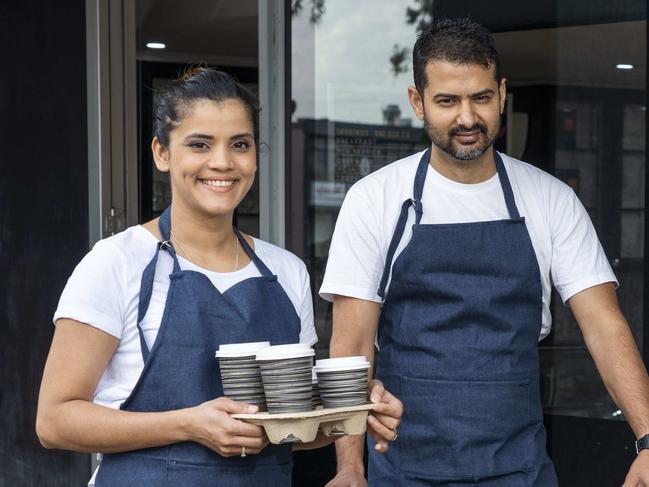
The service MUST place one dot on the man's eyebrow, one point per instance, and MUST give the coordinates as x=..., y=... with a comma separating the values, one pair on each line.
x=446, y=95
x=450, y=96
x=488, y=91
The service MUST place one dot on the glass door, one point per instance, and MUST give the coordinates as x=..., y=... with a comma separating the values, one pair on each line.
x=576, y=108
x=172, y=37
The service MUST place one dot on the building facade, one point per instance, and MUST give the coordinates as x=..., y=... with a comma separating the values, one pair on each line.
x=77, y=93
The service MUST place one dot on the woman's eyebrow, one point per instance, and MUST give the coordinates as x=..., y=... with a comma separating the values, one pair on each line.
x=242, y=136
x=198, y=135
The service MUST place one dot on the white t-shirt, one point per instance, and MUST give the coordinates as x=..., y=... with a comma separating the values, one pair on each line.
x=104, y=291
x=564, y=240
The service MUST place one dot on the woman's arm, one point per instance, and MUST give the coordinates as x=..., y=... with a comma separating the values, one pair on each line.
x=67, y=418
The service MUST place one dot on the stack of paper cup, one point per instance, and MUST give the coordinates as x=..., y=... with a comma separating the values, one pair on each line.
x=286, y=374
x=315, y=391
x=342, y=381
x=240, y=373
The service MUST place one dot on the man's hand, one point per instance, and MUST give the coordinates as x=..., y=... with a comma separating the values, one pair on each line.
x=348, y=477
x=383, y=421
x=638, y=475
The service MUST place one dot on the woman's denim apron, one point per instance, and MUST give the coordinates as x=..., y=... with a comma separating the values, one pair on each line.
x=180, y=371
x=458, y=335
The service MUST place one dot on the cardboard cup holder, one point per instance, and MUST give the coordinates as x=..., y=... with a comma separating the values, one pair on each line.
x=303, y=427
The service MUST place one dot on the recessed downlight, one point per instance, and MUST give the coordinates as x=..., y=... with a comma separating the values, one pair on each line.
x=156, y=45
x=624, y=66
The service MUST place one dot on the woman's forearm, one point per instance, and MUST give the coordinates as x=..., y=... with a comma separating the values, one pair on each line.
x=86, y=427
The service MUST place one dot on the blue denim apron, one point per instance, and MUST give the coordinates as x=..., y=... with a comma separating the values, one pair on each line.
x=180, y=371
x=458, y=335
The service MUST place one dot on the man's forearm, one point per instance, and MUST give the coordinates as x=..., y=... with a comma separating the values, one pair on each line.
x=349, y=453
x=623, y=372
x=354, y=328
x=615, y=353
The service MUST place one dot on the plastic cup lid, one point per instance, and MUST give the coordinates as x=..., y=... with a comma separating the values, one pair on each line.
x=342, y=363
x=240, y=349
x=279, y=352
x=314, y=376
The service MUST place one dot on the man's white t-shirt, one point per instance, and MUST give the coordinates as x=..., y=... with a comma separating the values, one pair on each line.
x=564, y=240
x=104, y=291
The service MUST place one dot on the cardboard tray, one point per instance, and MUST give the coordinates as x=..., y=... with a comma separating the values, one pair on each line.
x=303, y=427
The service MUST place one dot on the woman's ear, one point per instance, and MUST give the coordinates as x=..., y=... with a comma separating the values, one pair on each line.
x=160, y=155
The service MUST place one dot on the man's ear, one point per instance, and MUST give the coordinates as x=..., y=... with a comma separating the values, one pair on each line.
x=416, y=102
x=160, y=155
x=502, y=90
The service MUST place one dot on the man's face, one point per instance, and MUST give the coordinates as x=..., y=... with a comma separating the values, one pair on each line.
x=461, y=107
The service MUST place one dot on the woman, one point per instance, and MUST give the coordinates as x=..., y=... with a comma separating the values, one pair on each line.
x=131, y=371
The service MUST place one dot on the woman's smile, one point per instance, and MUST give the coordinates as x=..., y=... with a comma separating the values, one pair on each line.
x=219, y=185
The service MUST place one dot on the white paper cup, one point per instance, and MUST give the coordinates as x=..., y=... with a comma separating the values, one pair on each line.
x=286, y=372
x=342, y=381
x=240, y=374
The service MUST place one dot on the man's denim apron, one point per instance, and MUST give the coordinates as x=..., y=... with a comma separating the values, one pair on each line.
x=180, y=371
x=458, y=335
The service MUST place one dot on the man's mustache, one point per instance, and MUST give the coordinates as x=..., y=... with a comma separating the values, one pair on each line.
x=460, y=129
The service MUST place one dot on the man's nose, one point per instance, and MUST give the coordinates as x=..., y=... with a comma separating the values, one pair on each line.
x=466, y=116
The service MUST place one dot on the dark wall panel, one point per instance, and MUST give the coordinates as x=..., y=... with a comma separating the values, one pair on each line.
x=508, y=15
x=43, y=217
x=589, y=452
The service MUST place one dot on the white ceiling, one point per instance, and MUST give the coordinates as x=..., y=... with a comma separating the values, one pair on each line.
x=225, y=32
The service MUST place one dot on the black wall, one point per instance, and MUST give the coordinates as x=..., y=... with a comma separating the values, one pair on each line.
x=43, y=217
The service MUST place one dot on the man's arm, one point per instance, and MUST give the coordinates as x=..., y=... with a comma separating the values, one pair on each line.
x=618, y=361
x=355, y=323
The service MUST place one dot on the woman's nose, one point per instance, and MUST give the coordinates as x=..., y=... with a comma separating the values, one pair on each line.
x=220, y=159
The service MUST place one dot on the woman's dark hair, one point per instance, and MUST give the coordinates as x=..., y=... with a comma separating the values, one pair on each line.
x=200, y=84
x=460, y=41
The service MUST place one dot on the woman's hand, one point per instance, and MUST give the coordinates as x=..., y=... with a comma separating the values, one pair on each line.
x=384, y=419
x=211, y=425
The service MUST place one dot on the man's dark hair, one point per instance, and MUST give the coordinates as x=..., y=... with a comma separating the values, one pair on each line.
x=460, y=41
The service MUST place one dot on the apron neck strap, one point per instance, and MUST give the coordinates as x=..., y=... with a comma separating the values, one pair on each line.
x=507, y=187
x=261, y=267
x=420, y=179
x=418, y=185
x=415, y=202
x=164, y=223
x=146, y=290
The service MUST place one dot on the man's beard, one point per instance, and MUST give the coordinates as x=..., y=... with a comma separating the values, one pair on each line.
x=445, y=141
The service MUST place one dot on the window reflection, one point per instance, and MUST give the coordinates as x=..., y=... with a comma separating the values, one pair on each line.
x=570, y=112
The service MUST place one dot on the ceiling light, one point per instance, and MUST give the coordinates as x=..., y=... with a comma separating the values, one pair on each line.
x=155, y=45
x=624, y=66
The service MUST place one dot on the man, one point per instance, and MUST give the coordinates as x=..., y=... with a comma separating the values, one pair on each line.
x=446, y=256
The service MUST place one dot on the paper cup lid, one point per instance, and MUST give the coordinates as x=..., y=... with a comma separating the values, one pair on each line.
x=231, y=350
x=341, y=363
x=279, y=352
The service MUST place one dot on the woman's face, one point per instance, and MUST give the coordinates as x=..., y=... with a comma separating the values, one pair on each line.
x=211, y=157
